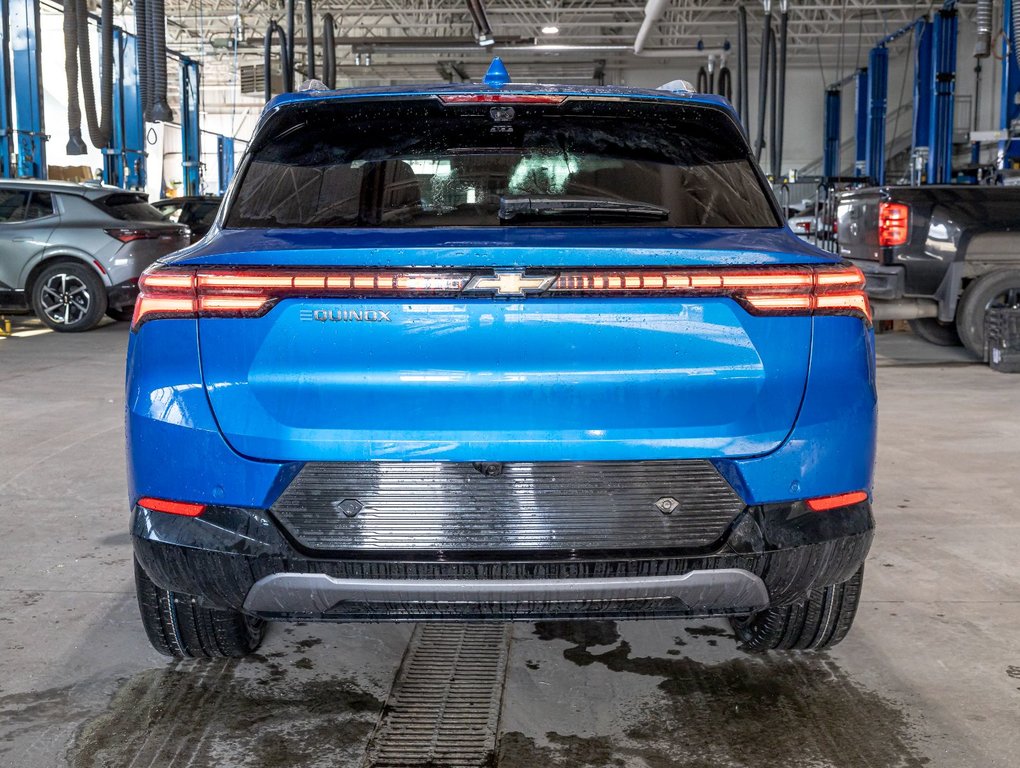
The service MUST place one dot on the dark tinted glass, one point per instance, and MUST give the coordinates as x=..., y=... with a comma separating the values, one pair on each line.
x=13, y=203
x=40, y=205
x=128, y=207
x=419, y=163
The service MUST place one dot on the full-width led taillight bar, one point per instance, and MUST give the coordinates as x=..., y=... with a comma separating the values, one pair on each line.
x=222, y=292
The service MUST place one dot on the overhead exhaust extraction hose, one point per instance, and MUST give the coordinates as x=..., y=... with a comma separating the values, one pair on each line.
x=310, y=38
x=725, y=84
x=75, y=143
x=329, y=51
x=742, y=57
x=77, y=50
x=763, y=79
x=144, y=60
x=156, y=13
x=1016, y=32
x=287, y=50
x=780, y=91
x=983, y=24
x=272, y=30
x=702, y=82
x=773, y=112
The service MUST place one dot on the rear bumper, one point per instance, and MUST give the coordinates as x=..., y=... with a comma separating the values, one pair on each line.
x=881, y=282
x=242, y=559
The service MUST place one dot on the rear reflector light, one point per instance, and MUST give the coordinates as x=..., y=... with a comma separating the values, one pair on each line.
x=219, y=292
x=184, y=508
x=501, y=98
x=825, y=503
x=893, y=223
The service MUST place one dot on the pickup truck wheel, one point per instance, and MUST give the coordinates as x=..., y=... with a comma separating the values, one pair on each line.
x=820, y=621
x=996, y=289
x=177, y=626
x=934, y=332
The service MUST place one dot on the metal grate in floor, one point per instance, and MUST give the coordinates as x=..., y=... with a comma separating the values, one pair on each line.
x=444, y=706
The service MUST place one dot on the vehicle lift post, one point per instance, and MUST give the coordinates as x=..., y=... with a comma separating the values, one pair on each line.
x=6, y=116
x=225, y=154
x=1009, y=112
x=21, y=23
x=190, y=129
x=124, y=159
x=942, y=74
x=878, y=95
x=861, y=114
x=921, y=145
x=830, y=148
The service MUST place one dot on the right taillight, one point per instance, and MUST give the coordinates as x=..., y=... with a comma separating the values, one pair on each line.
x=893, y=223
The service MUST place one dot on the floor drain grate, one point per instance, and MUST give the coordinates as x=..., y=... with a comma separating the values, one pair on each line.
x=444, y=706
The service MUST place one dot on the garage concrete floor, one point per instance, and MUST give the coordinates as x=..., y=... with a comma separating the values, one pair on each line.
x=929, y=676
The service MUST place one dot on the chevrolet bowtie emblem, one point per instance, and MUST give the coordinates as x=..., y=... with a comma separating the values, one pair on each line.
x=510, y=283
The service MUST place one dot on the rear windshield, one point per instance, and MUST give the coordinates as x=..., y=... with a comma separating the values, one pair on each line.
x=422, y=163
x=128, y=207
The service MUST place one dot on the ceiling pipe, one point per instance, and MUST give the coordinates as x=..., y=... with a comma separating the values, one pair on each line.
x=653, y=12
x=360, y=46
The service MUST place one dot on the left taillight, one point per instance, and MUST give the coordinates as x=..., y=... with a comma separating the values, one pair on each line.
x=893, y=224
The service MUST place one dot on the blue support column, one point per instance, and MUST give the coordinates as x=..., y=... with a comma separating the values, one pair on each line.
x=830, y=149
x=943, y=71
x=923, y=92
x=225, y=152
x=861, y=122
x=30, y=138
x=6, y=116
x=113, y=155
x=191, y=133
x=878, y=94
x=1009, y=114
x=133, y=127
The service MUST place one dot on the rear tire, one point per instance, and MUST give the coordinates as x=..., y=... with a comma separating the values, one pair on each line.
x=178, y=627
x=69, y=298
x=1000, y=288
x=819, y=622
x=934, y=332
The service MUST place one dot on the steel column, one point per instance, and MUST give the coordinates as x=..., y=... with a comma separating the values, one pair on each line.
x=861, y=122
x=225, y=152
x=24, y=25
x=191, y=134
x=878, y=94
x=1009, y=111
x=943, y=74
x=133, y=129
x=923, y=93
x=6, y=117
x=830, y=147
x=113, y=155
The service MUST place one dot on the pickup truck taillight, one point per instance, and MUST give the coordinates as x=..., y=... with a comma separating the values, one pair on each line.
x=893, y=223
x=222, y=292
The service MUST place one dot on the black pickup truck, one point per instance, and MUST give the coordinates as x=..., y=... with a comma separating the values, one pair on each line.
x=937, y=256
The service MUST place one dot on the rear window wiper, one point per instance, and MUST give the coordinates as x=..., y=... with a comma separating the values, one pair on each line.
x=526, y=207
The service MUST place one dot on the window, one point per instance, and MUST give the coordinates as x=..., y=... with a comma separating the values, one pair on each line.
x=128, y=207
x=39, y=206
x=420, y=163
x=13, y=203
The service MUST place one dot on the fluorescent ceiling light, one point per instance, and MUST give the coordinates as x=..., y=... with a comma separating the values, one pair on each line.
x=550, y=29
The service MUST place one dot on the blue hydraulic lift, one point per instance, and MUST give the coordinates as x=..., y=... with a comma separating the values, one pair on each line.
x=26, y=132
x=191, y=134
x=225, y=154
x=6, y=117
x=124, y=159
x=1009, y=112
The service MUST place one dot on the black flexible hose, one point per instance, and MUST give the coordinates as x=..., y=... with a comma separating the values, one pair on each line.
x=287, y=50
x=711, y=81
x=161, y=111
x=742, y=59
x=75, y=143
x=328, y=51
x=773, y=113
x=101, y=127
x=272, y=30
x=144, y=61
x=726, y=84
x=310, y=39
x=784, y=19
x=702, y=80
x=763, y=91
x=1016, y=32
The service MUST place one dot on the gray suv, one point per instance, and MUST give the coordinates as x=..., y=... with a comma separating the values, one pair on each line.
x=72, y=252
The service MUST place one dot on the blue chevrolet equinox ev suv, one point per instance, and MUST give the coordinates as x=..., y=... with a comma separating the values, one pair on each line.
x=499, y=352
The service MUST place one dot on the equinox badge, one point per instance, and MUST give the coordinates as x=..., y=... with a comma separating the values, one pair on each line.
x=347, y=315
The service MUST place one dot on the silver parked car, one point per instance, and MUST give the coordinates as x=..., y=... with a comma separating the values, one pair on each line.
x=72, y=252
